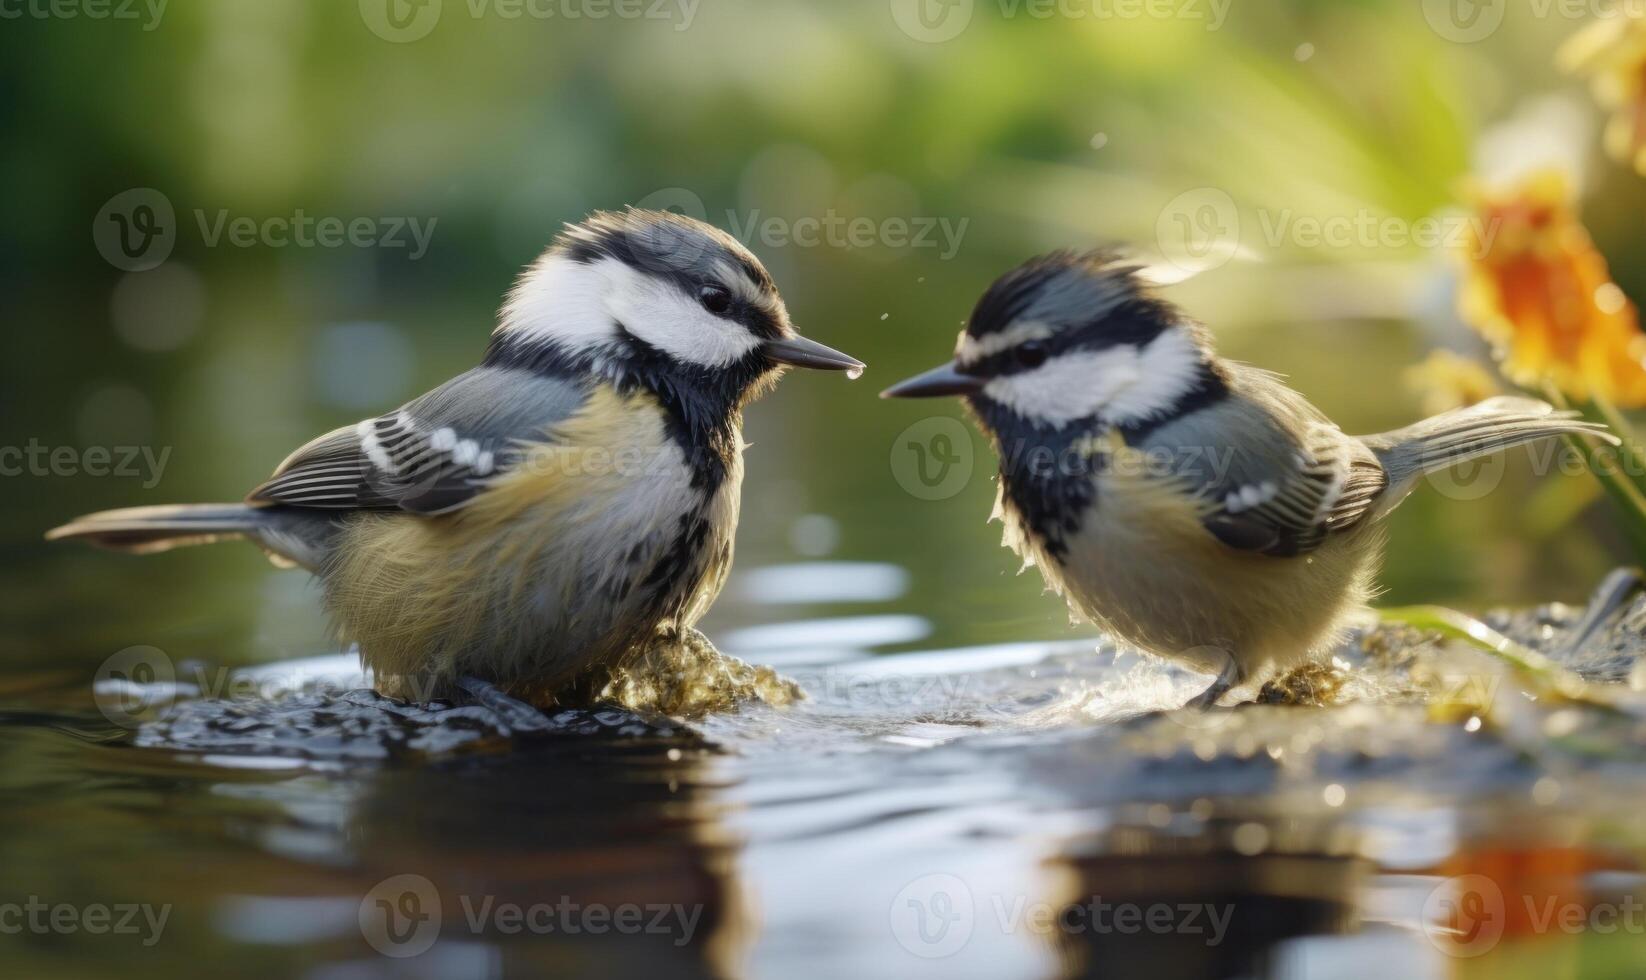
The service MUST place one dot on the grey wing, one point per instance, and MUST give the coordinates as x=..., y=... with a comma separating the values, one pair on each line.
x=431, y=455
x=1276, y=476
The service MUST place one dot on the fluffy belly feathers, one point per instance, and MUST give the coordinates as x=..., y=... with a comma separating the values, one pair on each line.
x=1147, y=572
x=569, y=560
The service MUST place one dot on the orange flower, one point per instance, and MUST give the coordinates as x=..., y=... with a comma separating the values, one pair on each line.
x=1612, y=53
x=1537, y=289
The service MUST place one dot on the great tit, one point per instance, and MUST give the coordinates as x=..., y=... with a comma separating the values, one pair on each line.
x=1195, y=507
x=553, y=509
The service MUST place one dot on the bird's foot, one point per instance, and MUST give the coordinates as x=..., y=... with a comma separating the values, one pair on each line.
x=512, y=713
x=1227, y=679
x=1615, y=592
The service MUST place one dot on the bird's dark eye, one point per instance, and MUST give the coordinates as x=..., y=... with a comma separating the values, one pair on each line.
x=1031, y=353
x=715, y=299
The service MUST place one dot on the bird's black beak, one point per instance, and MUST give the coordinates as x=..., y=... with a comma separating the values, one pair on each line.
x=945, y=380
x=799, y=352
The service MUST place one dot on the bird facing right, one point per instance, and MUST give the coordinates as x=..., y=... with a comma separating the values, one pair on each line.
x=1195, y=507
x=555, y=512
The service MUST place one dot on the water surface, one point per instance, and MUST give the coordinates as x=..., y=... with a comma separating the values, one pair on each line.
x=1017, y=809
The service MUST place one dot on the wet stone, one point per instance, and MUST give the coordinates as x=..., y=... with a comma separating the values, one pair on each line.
x=363, y=726
x=671, y=691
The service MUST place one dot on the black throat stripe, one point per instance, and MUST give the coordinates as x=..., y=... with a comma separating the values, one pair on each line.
x=701, y=406
x=1050, y=476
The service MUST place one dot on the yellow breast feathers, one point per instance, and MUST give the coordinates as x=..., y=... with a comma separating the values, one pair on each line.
x=520, y=567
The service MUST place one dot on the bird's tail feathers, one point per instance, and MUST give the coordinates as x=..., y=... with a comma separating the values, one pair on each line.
x=144, y=530
x=1468, y=433
x=291, y=536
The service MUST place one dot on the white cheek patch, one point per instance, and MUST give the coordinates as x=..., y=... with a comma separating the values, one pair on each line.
x=561, y=300
x=657, y=312
x=1120, y=385
x=1068, y=387
x=579, y=304
x=1169, y=367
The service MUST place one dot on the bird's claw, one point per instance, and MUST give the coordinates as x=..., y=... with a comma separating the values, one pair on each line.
x=513, y=714
x=1613, y=593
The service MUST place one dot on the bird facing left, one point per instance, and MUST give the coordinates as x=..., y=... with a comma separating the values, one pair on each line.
x=558, y=507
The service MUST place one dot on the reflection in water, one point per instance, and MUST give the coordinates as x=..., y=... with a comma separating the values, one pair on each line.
x=555, y=865
x=574, y=855
x=1217, y=898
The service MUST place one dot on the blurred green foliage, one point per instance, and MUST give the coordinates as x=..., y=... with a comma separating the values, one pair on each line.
x=1024, y=133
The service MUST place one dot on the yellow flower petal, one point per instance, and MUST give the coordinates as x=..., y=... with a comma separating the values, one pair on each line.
x=1611, y=52
x=1538, y=290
